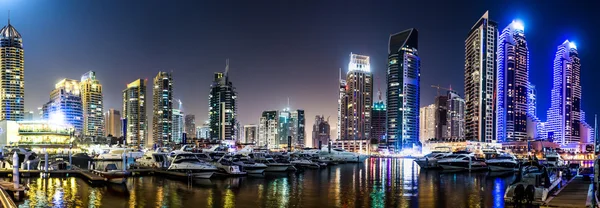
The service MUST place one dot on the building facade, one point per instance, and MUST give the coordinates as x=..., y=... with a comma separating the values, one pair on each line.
x=178, y=130
x=342, y=102
x=456, y=117
x=378, y=124
x=91, y=98
x=297, y=128
x=512, y=86
x=250, y=134
x=427, y=123
x=222, y=107
x=564, y=115
x=65, y=106
x=162, y=119
x=320, y=133
x=203, y=132
x=480, y=80
x=357, y=100
x=134, y=113
x=113, y=123
x=190, y=125
x=268, y=130
x=403, y=82
x=12, y=82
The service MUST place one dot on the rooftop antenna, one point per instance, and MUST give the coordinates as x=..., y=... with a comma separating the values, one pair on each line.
x=288, y=103
x=226, y=66
x=9, y=17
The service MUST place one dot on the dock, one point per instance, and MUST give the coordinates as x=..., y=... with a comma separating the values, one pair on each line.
x=573, y=194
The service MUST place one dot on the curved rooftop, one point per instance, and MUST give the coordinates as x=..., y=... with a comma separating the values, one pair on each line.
x=9, y=32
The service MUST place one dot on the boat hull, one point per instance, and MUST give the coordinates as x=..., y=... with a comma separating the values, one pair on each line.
x=502, y=167
x=277, y=168
x=462, y=166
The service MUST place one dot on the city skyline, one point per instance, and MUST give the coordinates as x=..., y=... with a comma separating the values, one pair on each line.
x=251, y=107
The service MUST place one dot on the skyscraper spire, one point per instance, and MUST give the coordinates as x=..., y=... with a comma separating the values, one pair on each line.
x=226, y=66
x=9, y=17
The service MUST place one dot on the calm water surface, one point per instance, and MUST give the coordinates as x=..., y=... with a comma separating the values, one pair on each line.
x=375, y=183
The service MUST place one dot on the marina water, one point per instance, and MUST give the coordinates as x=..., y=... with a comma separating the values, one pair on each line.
x=379, y=182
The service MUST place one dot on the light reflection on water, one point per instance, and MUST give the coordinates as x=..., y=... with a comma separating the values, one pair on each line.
x=375, y=183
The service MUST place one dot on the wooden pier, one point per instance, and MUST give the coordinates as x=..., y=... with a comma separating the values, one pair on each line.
x=573, y=194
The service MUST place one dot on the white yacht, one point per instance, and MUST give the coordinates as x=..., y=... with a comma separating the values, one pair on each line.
x=305, y=163
x=533, y=183
x=553, y=159
x=153, y=159
x=216, y=151
x=225, y=165
x=188, y=162
x=117, y=154
x=462, y=161
x=431, y=160
x=272, y=165
x=341, y=155
x=502, y=162
x=249, y=165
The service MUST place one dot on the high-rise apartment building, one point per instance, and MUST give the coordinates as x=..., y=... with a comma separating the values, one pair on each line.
x=162, y=120
x=190, y=125
x=177, y=136
x=357, y=100
x=564, y=115
x=297, y=129
x=321, y=131
x=512, y=80
x=268, y=130
x=65, y=105
x=134, y=113
x=456, y=117
x=250, y=134
x=403, y=81
x=378, y=122
x=441, y=117
x=222, y=107
x=12, y=82
x=342, y=102
x=91, y=98
x=203, y=132
x=480, y=80
x=113, y=123
x=427, y=123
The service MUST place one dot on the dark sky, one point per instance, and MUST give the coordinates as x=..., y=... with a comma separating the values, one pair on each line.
x=280, y=49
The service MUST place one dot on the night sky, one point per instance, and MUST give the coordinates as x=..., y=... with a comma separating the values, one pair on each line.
x=279, y=50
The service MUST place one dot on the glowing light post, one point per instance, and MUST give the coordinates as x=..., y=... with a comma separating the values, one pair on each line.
x=45, y=163
x=16, y=172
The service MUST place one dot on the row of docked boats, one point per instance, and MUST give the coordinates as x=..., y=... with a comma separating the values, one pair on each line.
x=490, y=160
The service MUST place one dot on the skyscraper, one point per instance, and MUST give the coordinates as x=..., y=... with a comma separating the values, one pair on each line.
x=564, y=115
x=162, y=120
x=12, y=82
x=250, y=134
x=342, y=102
x=65, y=105
x=222, y=107
x=358, y=99
x=297, y=129
x=268, y=130
x=113, y=122
x=456, y=117
x=512, y=86
x=178, y=124
x=320, y=133
x=378, y=122
x=441, y=117
x=427, y=123
x=403, y=81
x=134, y=113
x=480, y=80
x=91, y=98
x=190, y=125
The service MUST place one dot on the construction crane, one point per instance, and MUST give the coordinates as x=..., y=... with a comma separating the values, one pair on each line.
x=438, y=88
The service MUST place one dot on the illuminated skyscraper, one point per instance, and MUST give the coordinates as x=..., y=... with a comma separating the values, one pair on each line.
x=297, y=129
x=564, y=115
x=222, y=107
x=342, y=102
x=320, y=133
x=456, y=117
x=358, y=99
x=250, y=134
x=113, y=122
x=177, y=126
x=480, y=80
x=268, y=130
x=378, y=122
x=190, y=125
x=12, y=82
x=65, y=105
x=427, y=123
x=134, y=113
x=162, y=119
x=512, y=84
x=91, y=97
x=403, y=81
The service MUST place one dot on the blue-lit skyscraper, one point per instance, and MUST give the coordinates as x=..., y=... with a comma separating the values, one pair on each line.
x=65, y=105
x=480, y=80
x=403, y=77
x=222, y=110
x=564, y=115
x=162, y=111
x=12, y=82
x=512, y=84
